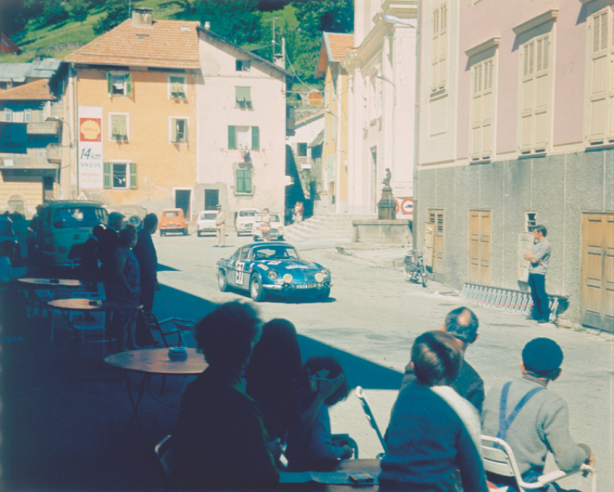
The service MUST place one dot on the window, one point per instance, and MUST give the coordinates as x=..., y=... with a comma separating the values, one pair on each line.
x=535, y=69
x=301, y=149
x=119, y=84
x=8, y=115
x=27, y=115
x=119, y=127
x=243, y=65
x=439, y=48
x=120, y=176
x=601, y=97
x=244, y=180
x=177, y=87
x=531, y=221
x=482, y=109
x=243, y=97
x=244, y=137
x=179, y=131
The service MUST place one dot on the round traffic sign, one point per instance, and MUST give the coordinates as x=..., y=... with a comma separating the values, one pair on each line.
x=407, y=206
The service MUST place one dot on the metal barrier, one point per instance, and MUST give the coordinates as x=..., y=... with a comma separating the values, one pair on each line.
x=510, y=300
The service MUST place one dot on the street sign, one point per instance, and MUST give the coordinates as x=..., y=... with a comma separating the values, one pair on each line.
x=14, y=138
x=407, y=206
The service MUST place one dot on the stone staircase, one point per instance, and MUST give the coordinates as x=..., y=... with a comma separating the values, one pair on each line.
x=324, y=226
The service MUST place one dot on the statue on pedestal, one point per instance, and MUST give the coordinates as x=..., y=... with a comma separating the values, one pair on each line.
x=386, y=207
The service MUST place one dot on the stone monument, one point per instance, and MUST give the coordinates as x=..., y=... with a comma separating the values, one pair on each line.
x=386, y=207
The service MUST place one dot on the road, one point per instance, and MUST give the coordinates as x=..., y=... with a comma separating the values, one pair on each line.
x=370, y=323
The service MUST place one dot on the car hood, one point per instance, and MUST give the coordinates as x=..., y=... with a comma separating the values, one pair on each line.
x=296, y=268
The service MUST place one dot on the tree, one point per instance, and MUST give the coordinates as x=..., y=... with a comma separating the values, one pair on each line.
x=316, y=16
x=116, y=13
x=237, y=21
x=53, y=12
x=79, y=10
x=12, y=18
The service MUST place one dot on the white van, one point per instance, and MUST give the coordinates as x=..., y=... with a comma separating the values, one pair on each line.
x=206, y=222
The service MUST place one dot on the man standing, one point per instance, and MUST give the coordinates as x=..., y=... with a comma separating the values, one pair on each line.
x=107, y=246
x=533, y=419
x=462, y=324
x=145, y=253
x=220, y=227
x=538, y=258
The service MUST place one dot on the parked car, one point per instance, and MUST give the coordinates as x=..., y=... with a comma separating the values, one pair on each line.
x=206, y=222
x=65, y=226
x=134, y=214
x=273, y=267
x=244, y=224
x=7, y=233
x=277, y=228
x=172, y=220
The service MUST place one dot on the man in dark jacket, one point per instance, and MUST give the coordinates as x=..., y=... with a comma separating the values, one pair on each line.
x=107, y=245
x=462, y=324
x=145, y=253
x=89, y=270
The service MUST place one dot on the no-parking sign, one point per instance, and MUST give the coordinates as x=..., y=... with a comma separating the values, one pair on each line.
x=407, y=206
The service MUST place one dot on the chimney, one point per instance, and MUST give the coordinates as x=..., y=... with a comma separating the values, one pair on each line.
x=207, y=26
x=142, y=17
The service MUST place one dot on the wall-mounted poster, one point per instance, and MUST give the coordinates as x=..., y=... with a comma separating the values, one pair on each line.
x=90, y=147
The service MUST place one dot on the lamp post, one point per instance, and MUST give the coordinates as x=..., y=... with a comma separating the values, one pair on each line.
x=392, y=19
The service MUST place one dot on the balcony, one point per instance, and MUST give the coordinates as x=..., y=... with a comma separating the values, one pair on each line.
x=54, y=153
x=44, y=128
x=31, y=165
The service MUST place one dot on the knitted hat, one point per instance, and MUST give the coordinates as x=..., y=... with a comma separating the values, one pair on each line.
x=542, y=355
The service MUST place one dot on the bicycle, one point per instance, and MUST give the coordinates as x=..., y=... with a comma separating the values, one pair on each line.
x=415, y=269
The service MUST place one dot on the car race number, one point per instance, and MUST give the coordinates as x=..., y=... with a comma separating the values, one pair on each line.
x=240, y=266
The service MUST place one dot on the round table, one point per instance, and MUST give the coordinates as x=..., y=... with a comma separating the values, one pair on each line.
x=93, y=305
x=51, y=282
x=154, y=361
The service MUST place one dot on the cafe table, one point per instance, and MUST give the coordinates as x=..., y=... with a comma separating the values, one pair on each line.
x=150, y=362
x=334, y=481
x=38, y=283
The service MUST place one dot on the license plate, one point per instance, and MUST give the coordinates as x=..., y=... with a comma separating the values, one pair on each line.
x=306, y=286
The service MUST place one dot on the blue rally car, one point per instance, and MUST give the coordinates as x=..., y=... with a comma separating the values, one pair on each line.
x=274, y=267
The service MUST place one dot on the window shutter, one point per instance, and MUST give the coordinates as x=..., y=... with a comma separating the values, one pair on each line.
x=443, y=46
x=109, y=83
x=173, y=131
x=247, y=94
x=8, y=115
x=232, y=138
x=185, y=131
x=133, y=176
x=240, y=181
x=248, y=181
x=599, y=79
x=255, y=138
x=527, y=99
x=542, y=94
x=435, y=51
x=476, y=111
x=487, y=109
x=129, y=83
x=106, y=175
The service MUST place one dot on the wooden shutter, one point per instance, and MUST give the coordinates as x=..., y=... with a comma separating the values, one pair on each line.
x=487, y=108
x=109, y=83
x=129, y=84
x=476, y=112
x=248, y=180
x=479, y=247
x=542, y=94
x=255, y=138
x=443, y=46
x=435, y=51
x=133, y=176
x=599, y=78
x=232, y=137
x=527, y=103
x=106, y=175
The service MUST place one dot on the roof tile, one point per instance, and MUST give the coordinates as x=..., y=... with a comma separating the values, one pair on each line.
x=34, y=91
x=340, y=45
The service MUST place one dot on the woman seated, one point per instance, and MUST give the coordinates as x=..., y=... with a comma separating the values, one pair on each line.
x=433, y=431
x=220, y=440
x=315, y=448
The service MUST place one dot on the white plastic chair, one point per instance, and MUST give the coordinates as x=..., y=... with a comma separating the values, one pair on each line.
x=370, y=417
x=501, y=461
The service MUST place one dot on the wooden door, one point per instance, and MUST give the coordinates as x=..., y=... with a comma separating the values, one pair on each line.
x=479, y=247
x=435, y=227
x=597, y=284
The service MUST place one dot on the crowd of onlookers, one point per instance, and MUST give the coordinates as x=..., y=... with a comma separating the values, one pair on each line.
x=257, y=410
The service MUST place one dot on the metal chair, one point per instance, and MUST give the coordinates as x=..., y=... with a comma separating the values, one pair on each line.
x=499, y=458
x=370, y=417
x=88, y=322
x=155, y=326
x=166, y=462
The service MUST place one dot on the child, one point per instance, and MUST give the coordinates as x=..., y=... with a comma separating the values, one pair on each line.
x=314, y=448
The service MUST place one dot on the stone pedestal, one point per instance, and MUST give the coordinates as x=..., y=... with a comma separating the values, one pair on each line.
x=386, y=207
x=375, y=231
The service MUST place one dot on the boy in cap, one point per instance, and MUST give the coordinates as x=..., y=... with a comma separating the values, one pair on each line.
x=535, y=419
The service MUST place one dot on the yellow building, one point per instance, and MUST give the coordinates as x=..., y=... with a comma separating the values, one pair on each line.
x=335, y=156
x=135, y=114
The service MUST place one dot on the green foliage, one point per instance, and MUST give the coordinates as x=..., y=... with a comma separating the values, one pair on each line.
x=12, y=19
x=79, y=10
x=316, y=16
x=116, y=13
x=235, y=20
x=53, y=12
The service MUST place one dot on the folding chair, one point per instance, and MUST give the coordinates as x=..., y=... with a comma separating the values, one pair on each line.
x=499, y=459
x=166, y=462
x=155, y=326
x=370, y=417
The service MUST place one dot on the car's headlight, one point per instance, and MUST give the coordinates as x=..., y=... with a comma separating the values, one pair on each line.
x=272, y=274
x=288, y=278
x=319, y=277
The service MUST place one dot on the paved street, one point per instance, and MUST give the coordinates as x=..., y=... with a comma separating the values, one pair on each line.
x=369, y=324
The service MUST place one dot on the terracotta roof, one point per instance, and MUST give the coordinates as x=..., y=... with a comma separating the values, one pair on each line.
x=338, y=45
x=164, y=44
x=7, y=46
x=34, y=91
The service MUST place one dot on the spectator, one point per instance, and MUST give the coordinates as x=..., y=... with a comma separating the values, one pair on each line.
x=539, y=416
x=107, y=245
x=220, y=440
x=125, y=287
x=462, y=324
x=316, y=449
x=433, y=431
x=89, y=270
x=145, y=253
x=6, y=267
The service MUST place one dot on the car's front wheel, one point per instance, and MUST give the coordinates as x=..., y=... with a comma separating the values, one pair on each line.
x=323, y=294
x=256, y=290
x=222, y=281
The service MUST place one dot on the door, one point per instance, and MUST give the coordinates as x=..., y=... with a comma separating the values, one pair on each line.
x=597, y=284
x=479, y=247
x=182, y=201
x=436, y=224
x=212, y=198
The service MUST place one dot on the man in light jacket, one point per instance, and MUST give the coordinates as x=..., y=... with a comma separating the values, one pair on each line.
x=220, y=228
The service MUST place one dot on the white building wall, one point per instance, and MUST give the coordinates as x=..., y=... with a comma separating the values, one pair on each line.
x=305, y=132
x=216, y=163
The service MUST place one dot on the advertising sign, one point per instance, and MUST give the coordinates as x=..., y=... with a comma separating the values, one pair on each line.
x=14, y=138
x=90, y=147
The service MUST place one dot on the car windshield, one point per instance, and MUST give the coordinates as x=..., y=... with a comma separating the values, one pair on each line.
x=276, y=253
x=5, y=228
x=248, y=213
x=78, y=217
x=208, y=216
x=171, y=214
x=273, y=218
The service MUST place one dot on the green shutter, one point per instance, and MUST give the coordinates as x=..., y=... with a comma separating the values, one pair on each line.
x=109, y=83
x=232, y=138
x=255, y=138
x=240, y=181
x=248, y=181
x=133, y=176
x=129, y=84
x=106, y=175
